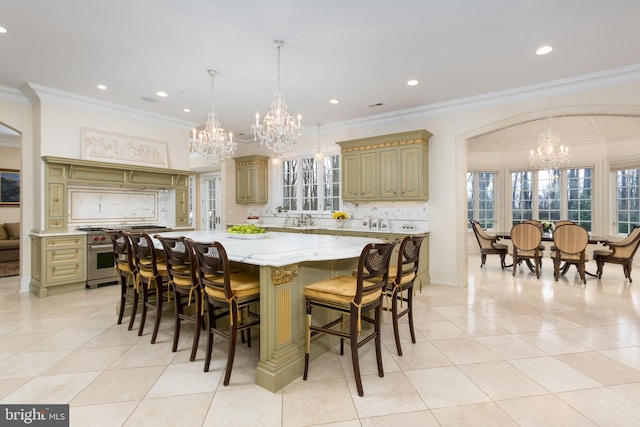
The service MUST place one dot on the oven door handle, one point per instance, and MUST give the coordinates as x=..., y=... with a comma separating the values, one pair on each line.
x=100, y=247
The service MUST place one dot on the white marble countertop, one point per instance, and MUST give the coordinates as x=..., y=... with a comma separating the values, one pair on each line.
x=280, y=249
x=334, y=228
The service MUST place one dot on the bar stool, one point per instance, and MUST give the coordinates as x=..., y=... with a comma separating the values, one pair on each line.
x=127, y=273
x=182, y=272
x=152, y=272
x=230, y=293
x=404, y=275
x=353, y=296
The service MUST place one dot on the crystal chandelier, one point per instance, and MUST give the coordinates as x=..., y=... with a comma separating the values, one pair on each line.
x=211, y=142
x=279, y=131
x=549, y=154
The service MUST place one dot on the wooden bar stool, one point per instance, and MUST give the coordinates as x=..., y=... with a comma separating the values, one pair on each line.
x=127, y=273
x=152, y=273
x=354, y=296
x=183, y=280
x=230, y=294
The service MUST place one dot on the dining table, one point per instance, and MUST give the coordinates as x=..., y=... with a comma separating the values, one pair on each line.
x=286, y=262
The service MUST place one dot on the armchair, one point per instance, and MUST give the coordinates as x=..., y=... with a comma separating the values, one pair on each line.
x=488, y=244
x=621, y=252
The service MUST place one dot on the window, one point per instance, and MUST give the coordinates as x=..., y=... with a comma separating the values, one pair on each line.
x=579, y=203
x=552, y=195
x=521, y=196
x=481, y=198
x=549, y=195
x=627, y=200
x=310, y=184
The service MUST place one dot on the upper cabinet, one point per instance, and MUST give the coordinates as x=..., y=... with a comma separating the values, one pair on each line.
x=251, y=179
x=60, y=172
x=391, y=167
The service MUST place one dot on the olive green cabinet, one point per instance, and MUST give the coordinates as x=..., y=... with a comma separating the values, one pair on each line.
x=251, y=179
x=359, y=170
x=58, y=263
x=386, y=168
x=61, y=172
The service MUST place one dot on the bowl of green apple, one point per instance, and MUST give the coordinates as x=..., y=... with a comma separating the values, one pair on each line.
x=246, y=231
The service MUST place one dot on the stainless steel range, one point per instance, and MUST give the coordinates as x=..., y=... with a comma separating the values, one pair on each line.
x=100, y=259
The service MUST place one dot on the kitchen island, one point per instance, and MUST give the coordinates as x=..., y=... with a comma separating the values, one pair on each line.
x=286, y=263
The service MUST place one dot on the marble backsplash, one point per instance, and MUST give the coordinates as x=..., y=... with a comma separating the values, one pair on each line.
x=91, y=206
x=398, y=215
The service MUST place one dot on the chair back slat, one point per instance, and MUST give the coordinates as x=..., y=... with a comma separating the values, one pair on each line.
x=409, y=256
x=122, y=250
x=570, y=238
x=526, y=236
x=178, y=257
x=144, y=252
x=373, y=269
x=212, y=265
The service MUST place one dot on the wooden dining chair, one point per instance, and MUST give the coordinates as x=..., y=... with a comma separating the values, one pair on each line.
x=152, y=276
x=183, y=281
x=399, y=289
x=621, y=252
x=127, y=274
x=227, y=294
x=488, y=244
x=526, y=238
x=352, y=296
x=570, y=241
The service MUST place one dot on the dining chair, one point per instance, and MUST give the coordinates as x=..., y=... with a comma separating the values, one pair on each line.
x=152, y=274
x=399, y=288
x=621, y=252
x=556, y=225
x=352, y=296
x=526, y=238
x=127, y=274
x=183, y=283
x=227, y=294
x=570, y=241
x=488, y=244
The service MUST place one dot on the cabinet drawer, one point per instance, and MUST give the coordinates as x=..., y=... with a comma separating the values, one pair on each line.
x=77, y=241
x=65, y=273
x=65, y=256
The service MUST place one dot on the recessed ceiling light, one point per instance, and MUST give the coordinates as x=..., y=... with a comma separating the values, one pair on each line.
x=102, y=87
x=412, y=82
x=543, y=50
x=162, y=94
x=187, y=110
x=334, y=101
x=3, y=30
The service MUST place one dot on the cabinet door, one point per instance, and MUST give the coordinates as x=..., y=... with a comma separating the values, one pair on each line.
x=351, y=176
x=182, y=207
x=242, y=185
x=411, y=175
x=369, y=176
x=57, y=201
x=389, y=174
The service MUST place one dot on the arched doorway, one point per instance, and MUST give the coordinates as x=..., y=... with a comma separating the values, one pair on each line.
x=10, y=211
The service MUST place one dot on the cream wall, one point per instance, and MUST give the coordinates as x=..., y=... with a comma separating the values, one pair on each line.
x=451, y=124
x=16, y=113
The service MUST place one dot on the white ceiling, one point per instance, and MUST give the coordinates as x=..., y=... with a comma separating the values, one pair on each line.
x=359, y=51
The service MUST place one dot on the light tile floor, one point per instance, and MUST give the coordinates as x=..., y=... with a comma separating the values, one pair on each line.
x=504, y=351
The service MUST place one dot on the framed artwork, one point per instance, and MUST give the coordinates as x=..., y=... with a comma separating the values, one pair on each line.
x=9, y=187
x=119, y=148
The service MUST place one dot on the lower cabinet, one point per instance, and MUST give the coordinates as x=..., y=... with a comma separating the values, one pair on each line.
x=58, y=263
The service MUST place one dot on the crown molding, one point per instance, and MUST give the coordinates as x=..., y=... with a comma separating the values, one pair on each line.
x=607, y=78
x=36, y=93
